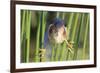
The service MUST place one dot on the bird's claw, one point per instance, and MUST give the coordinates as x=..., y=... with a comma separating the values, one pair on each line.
x=70, y=50
x=42, y=51
x=42, y=54
x=70, y=46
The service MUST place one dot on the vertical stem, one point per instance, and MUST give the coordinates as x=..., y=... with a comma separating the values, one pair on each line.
x=28, y=34
x=57, y=15
x=23, y=38
x=85, y=37
x=63, y=15
x=75, y=26
x=58, y=49
x=67, y=55
x=38, y=39
x=63, y=51
x=43, y=26
x=23, y=24
x=70, y=21
x=53, y=53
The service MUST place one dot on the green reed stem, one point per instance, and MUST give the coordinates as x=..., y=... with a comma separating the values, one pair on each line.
x=57, y=15
x=53, y=53
x=23, y=12
x=43, y=26
x=63, y=52
x=85, y=37
x=28, y=34
x=70, y=21
x=38, y=39
x=63, y=15
x=75, y=26
x=58, y=49
x=23, y=24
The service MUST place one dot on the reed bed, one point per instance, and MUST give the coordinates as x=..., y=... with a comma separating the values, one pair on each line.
x=77, y=27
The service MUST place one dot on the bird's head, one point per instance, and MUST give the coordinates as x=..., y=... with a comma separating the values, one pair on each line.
x=57, y=31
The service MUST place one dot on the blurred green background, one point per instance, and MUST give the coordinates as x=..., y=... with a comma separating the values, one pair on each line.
x=34, y=24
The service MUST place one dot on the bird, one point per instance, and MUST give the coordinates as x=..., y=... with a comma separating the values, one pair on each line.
x=56, y=34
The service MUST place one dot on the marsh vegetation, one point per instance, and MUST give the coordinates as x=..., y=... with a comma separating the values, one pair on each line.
x=34, y=24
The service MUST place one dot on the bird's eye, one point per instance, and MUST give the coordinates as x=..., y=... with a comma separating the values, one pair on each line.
x=52, y=28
